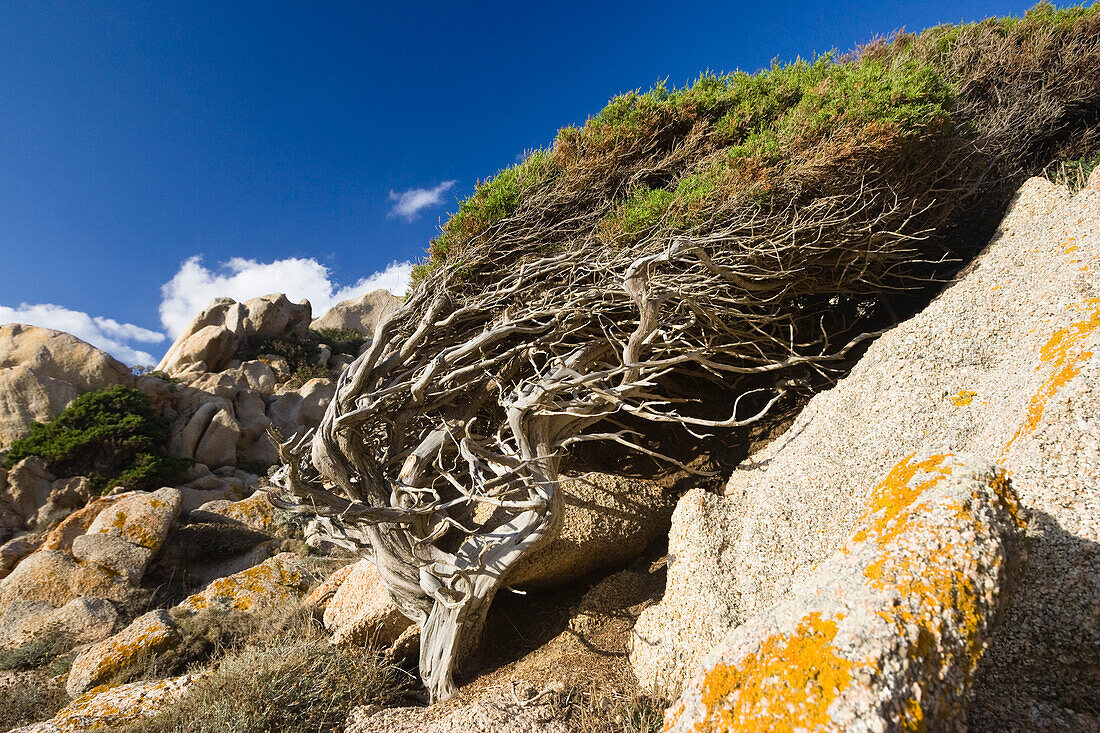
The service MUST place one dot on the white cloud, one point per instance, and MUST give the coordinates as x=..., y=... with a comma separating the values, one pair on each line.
x=104, y=333
x=194, y=286
x=410, y=203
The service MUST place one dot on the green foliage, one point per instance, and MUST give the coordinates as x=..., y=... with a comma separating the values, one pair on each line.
x=640, y=212
x=1044, y=17
x=341, y=340
x=493, y=199
x=794, y=104
x=303, y=354
x=1073, y=173
x=653, y=162
x=112, y=436
x=306, y=372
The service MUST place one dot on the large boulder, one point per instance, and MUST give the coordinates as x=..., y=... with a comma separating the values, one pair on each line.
x=607, y=522
x=14, y=550
x=886, y=633
x=148, y=635
x=271, y=583
x=49, y=580
x=360, y=314
x=216, y=334
x=42, y=371
x=125, y=536
x=80, y=621
x=213, y=346
x=1002, y=364
x=361, y=611
x=255, y=512
x=28, y=487
x=294, y=412
x=115, y=706
x=268, y=317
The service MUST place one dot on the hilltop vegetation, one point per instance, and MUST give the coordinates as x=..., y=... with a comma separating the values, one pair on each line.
x=986, y=104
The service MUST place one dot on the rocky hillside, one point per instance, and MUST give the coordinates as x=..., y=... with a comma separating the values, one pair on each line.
x=770, y=403
x=919, y=548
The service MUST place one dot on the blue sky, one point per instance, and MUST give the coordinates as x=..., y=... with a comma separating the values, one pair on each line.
x=153, y=155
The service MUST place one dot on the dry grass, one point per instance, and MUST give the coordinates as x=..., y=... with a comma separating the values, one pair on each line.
x=287, y=686
x=269, y=673
x=27, y=697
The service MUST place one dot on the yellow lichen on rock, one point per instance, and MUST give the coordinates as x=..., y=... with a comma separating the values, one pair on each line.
x=272, y=582
x=963, y=397
x=885, y=634
x=1065, y=352
x=147, y=635
x=792, y=679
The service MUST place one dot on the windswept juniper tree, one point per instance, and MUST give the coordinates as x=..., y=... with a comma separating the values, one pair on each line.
x=680, y=260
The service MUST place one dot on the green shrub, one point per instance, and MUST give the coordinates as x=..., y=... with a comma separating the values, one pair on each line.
x=303, y=354
x=49, y=650
x=112, y=436
x=493, y=199
x=341, y=340
x=990, y=102
x=640, y=212
x=1073, y=173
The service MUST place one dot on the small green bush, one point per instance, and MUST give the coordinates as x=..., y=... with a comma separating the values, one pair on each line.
x=49, y=650
x=640, y=212
x=112, y=436
x=493, y=199
x=1073, y=173
x=303, y=354
x=341, y=340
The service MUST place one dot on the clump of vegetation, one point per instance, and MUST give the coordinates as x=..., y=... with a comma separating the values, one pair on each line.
x=149, y=371
x=39, y=694
x=1073, y=173
x=274, y=671
x=1013, y=92
x=113, y=436
x=303, y=354
x=31, y=700
x=49, y=651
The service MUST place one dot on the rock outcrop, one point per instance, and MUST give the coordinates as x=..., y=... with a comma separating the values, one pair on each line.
x=70, y=587
x=214, y=336
x=42, y=371
x=148, y=635
x=124, y=537
x=360, y=314
x=1002, y=365
x=886, y=633
x=608, y=521
x=102, y=709
x=275, y=581
x=361, y=610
